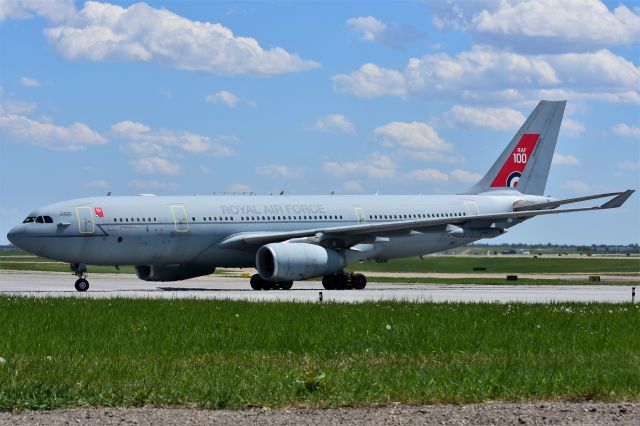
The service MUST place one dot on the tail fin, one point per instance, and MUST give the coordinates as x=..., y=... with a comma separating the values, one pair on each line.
x=525, y=162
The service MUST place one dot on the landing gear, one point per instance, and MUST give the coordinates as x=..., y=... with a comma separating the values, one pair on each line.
x=80, y=271
x=82, y=285
x=258, y=283
x=344, y=281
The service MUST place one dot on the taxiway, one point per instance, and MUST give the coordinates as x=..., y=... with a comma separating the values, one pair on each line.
x=51, y=284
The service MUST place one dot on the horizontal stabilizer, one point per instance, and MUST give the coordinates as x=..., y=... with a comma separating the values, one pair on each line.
x=618, y=201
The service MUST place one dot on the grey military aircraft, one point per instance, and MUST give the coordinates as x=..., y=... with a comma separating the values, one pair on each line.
x=289, y=238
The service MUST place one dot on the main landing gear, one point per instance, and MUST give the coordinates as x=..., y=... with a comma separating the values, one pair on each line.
x=258, y=283
x=80, y=270
x=344, y=281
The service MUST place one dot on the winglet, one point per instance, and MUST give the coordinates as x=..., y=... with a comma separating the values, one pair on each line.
x=618, y=201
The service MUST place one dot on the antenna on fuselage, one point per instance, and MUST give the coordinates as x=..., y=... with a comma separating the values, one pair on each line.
x=109, y=194
x=281, y=192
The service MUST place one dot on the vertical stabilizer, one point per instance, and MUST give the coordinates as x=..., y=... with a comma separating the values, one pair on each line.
x=525, y=162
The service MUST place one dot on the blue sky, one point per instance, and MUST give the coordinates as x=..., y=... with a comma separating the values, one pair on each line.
x=196, y=97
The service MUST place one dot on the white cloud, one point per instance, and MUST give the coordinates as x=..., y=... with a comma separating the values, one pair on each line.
x=630, y=165
x=58, y=10
x=572, y=127
x=75, y=137
x=143, y=141
x=153, y=184
x=428, y=175
x=155, y=165
x=414, y=135
x=371, y=81
x=488, y=118
x=17, y=107
x=564, y=160
x=485, y=73
x=29, y=82
x=352, y=186
x=578, y=186
x=225, y=97
x=465, y=176
x=140, y=33
x=278, y=170
x=624, y=130
x=96, y=184
x=564, y=25
x=334, y=123
x=375, y=166
x=368, y=28
x=240, y=188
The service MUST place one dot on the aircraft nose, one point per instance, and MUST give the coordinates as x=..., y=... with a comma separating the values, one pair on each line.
x=16, y=235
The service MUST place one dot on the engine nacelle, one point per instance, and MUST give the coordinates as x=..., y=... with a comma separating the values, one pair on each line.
x=172, y=272
x=297, y=261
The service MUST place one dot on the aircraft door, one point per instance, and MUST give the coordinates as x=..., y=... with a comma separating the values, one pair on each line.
x=86, y=222
x=472, y=208
x=359, y=214
x=180, y=219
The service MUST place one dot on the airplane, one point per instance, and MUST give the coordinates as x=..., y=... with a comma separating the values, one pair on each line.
x=288, y=238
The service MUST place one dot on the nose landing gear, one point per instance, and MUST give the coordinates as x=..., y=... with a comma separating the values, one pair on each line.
x=80, y=270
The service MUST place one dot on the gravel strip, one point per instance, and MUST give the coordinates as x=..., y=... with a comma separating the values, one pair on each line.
x=531, y=413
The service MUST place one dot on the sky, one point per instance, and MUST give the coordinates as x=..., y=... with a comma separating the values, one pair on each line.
x=194, y=97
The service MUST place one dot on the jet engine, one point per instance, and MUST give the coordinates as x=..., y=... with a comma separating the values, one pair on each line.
x=297, y=261
x=172, y=272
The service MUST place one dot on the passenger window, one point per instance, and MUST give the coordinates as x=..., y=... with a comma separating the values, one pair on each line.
x=126, y=219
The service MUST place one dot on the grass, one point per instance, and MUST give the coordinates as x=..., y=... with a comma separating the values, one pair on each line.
x=118, y=352
x=519, y=264
x=433, y=264
x=494, y=281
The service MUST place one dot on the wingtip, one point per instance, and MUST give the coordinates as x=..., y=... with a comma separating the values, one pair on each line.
x=618, y=200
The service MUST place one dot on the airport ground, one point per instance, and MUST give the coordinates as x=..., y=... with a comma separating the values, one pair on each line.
x=562, y=362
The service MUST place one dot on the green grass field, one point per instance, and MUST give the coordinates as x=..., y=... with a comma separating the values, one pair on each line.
x=516, y=264
x=437, y=264
x=117, y=352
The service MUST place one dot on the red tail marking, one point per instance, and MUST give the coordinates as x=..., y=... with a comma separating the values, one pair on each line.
x=512, y=170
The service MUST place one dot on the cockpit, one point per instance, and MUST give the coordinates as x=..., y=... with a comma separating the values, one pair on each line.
x=38, y=219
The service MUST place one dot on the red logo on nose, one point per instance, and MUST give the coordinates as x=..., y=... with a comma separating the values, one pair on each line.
x=99, y=211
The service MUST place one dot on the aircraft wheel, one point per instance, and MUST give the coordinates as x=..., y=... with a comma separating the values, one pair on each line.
x=268, y=285
x=286, y=285
x=342, y=281
x=82, y=285
x=256, y=282
x=329, y=282
x=358, y=281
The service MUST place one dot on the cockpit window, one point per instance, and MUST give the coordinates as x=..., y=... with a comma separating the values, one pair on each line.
x=48, y=219
x=39, y=219
x=29, y=219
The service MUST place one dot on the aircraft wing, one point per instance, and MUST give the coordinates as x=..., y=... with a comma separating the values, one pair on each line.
x=353, y=234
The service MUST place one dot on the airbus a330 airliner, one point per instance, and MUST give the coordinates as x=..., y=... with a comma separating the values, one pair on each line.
x=289, y=238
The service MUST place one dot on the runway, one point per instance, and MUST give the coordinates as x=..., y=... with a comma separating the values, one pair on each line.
x=51, y=284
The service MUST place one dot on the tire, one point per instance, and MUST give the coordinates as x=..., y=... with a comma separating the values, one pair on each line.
x=82, y=285
x=286, y=285
x=256, y=282
x=268, y=285
x=358, y=281
x=342, y=281
x=329, y=282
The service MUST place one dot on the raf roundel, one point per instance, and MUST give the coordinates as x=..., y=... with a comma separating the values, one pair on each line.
x=513, y=179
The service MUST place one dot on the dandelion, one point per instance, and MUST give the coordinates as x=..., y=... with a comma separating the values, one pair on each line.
x=49, y=358
x=2, y=360
x=388, y=327
x=538, y=326
x=237, y=315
